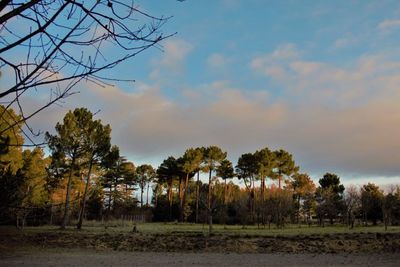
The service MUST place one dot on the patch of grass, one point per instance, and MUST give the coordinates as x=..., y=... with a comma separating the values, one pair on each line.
x=120, y=227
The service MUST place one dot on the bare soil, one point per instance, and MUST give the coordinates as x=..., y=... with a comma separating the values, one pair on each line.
x=193, y=242
x=69, y=257
x=74, y=248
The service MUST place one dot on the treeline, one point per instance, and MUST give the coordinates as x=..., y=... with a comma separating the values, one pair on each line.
x=85, y=177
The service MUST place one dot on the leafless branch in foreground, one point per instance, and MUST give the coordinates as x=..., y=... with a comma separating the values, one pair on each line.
x=49, y=46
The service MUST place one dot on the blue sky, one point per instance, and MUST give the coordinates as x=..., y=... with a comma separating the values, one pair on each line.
x=320, y=79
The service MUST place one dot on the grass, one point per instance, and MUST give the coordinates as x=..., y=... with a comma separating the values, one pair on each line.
x=120, y=227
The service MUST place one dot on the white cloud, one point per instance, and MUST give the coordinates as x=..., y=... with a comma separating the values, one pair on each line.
x=231, y=3
x=340, y=119
x=271, y=64
x=367, y=78
x=389, y=24
x=345, y=41
x=173, y=59
x=217, y=61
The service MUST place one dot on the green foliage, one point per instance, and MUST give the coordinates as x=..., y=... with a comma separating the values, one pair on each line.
x=225, y=170
x=303, y=191
x=79, y=140
x=145, y=174
x=371, y=201
x=11, y=141
x=34, y=170
x=168, y=171
x=191, y=160
x=118, y=172
x=212, y=157
x=246, y=168
x=283, y=165
x=265, y=161
x=329, y=196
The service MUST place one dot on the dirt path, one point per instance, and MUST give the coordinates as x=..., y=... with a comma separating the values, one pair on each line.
x=69, y=257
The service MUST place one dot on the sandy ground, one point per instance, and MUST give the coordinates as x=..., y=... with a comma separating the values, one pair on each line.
x=68, y=257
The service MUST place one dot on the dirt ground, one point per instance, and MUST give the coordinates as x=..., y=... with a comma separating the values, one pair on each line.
x=178, y=242
x=68, y=257
x=79, y=248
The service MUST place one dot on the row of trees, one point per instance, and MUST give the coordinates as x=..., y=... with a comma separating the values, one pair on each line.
x=86, y=177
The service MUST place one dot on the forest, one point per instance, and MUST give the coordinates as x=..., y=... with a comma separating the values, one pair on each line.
x=80, y=176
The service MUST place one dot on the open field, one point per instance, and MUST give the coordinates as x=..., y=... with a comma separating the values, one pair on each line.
x=171, y=237
x=118, y=226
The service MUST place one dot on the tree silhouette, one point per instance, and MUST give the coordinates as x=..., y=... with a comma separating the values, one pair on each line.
x=168, y=173
x=189, y=164
x=144, y=174
x=329, y=196
x=213, y=156
x=246, y=170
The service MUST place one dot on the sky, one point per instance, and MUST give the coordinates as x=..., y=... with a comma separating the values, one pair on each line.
x=320, y=79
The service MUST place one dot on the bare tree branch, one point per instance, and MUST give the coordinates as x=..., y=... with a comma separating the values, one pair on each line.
x=52, y=45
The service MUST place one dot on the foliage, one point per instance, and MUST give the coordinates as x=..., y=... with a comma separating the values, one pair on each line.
x=329, y=196
x=84, y=170
x=11, y=140
x=371, y=202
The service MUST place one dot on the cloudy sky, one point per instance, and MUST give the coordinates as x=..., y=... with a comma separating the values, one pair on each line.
x=320, y=79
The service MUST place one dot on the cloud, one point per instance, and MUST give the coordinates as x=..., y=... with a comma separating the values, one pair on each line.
x=270, y=64
x=173, y=59
x=369, y=77
x=231, y=3
x=345, y=41
x=389, y=25
x=217, y=61
x=340, y=119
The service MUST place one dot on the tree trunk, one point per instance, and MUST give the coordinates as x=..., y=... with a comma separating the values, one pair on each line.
x=197, y=197
x=184, y=197
x=209, y=211
x=147, y=196
x=298, y=209
x=180, y=193
x=262, y=209
x=82, y=210
x=156, y=198
x=141, y=196
x=67, y=197
x=170, y=200
x=225, y=191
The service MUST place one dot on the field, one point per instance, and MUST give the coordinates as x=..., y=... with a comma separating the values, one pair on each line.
x=120, y=227
x=189, y=244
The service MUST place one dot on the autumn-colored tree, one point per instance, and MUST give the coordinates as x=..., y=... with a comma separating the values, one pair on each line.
x=69, y=145
x=33, y=191
x=302, y=186
x=11, y=141
x=97, y=143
